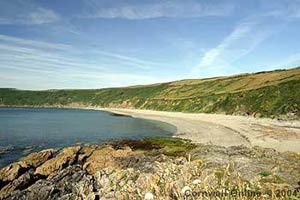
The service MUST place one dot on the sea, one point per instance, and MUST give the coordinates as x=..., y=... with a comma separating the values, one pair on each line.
x=27, y=130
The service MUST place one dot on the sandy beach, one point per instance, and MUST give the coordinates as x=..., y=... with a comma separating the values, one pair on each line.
x=226, y=130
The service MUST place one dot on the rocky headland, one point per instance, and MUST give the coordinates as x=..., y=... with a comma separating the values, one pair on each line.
x=154, y=168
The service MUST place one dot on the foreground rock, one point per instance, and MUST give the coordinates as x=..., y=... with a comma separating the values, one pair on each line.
x=66, y=157
x=147, y=169
x=19, y=175
x=36, y=159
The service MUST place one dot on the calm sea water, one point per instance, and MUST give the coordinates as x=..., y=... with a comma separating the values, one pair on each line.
x=24, y=130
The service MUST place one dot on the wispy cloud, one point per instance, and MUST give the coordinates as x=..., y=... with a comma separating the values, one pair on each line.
x=25, y=12
x=62, y=66
x=103, y=52
x=55, y=53
x=33, y=43
x=288, y=62
x=165, y=8
x=288, y=9
x=244, y=38
x=41, y=16
x=143, y=64
x=217, y=54
x=291, y=60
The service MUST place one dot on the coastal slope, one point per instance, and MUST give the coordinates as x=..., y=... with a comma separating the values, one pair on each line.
x=263, y=94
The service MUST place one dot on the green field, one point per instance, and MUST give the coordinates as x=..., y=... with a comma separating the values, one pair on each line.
x=267, y=94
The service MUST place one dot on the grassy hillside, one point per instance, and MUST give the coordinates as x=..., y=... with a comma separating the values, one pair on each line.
x=265, y=93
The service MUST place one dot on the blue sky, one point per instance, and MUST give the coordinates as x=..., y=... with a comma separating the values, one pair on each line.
x=107, y=43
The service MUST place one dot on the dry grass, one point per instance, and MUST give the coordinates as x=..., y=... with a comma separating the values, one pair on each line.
x=231, y=84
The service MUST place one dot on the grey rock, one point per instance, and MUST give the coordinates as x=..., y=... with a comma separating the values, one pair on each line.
x=70, y=183
x=18, y=184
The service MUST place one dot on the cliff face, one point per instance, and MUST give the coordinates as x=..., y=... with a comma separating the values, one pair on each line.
x=158, y=168
x=266, y=94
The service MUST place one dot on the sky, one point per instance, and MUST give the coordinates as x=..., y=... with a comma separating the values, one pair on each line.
x=56, y=44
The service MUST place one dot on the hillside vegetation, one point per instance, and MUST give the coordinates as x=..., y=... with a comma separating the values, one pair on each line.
x=267, y=94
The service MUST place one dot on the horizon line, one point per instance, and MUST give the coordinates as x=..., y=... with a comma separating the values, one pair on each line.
x=157, y=83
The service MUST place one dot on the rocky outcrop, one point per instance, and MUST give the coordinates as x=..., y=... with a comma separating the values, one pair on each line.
x=36, y=159
x=66, y=157
x=12, y=171
x=70, y=183
x=19, y=183
x=107, y=157
x=127, y=172
x=19, y=175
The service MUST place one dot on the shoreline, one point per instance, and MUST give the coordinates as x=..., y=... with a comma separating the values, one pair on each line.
x=217, y=129
x=225, y=130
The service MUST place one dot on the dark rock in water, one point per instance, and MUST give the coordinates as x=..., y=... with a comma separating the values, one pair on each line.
x=27, y=150
x=7, y=149
x=119, y=115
